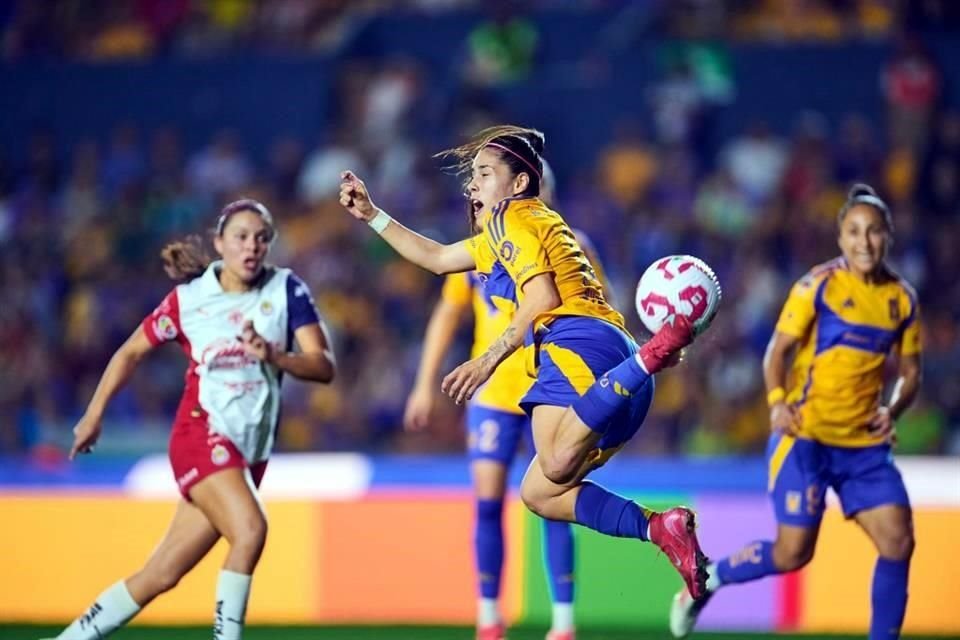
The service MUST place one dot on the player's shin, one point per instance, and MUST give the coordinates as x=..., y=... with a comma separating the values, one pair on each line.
x=750, y=563
x=601, y=510
x=233, y=591
x=559, y=545
x=111, y=610
x=888, y=598
x=488, y=547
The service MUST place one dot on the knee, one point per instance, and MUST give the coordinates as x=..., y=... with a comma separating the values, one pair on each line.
x=791, y=556
x=897, y=545
x=250, y=534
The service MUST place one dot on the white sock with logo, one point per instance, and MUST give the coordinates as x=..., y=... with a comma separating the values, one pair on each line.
x=111, y=610
x=233, y=591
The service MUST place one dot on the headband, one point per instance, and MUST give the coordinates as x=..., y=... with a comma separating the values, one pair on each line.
x=871, y=200
x=512, y=152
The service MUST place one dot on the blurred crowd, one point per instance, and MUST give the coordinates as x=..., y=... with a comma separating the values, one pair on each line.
x=81, y=229
x=129, y=29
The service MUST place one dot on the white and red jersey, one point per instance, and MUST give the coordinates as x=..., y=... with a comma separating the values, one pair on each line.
x=237, y=395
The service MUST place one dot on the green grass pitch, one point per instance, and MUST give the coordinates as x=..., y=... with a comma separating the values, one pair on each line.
x=33, y=632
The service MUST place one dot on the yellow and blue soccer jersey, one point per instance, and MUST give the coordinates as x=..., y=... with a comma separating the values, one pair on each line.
x=847, y=329
x=509, y=381
x=523, y=238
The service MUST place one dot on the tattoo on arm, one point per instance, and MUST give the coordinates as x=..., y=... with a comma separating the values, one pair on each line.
x=504, y=346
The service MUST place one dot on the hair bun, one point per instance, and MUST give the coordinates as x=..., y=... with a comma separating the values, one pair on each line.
x=861, y=189
x=536, y=140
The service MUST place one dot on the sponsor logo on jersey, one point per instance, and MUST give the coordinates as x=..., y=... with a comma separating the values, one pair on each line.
x=507, y=250
x=266, y=307
x=164, y=327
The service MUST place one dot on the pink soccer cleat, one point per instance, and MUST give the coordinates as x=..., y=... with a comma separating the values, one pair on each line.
x=561, y=635
x=660, y=351
x=674, y=531
x=492, y=632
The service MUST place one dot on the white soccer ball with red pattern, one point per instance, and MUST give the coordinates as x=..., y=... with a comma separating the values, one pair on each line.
x=678, y=285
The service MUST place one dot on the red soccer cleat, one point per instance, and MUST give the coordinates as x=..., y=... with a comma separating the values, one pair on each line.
x=674, y=532
x=561, y=635
x=492, y=632
x=657, y=352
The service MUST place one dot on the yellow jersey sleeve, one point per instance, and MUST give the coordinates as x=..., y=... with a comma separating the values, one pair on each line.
x=910, y=341
x=516, y=242
x=799, y=311
x=457, y=289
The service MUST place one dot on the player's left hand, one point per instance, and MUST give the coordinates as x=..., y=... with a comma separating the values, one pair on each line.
x=254, y=344
x=883, y=426
x=461, y=383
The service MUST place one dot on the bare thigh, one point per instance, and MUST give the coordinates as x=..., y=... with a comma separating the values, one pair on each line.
x=188, y=539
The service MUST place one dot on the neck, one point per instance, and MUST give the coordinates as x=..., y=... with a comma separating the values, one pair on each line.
x=876, y=275
x=231, y=283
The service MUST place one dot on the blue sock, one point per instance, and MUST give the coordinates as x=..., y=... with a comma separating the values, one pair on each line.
x=559, y=546
x=610, y=394
x=752, y=562
x=608, y=513
x=889, y=598
x=488, y=546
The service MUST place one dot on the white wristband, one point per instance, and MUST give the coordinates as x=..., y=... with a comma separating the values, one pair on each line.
x=380, y=221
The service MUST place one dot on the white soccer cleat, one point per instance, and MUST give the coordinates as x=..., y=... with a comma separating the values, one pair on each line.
x=684, y=612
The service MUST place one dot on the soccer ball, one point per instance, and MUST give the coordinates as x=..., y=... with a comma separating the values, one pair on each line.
x=678, y=284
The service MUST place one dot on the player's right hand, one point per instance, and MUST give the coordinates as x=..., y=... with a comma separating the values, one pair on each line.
x=355, y=197
x=784, y=419
x=416, y=415
x=85, y=435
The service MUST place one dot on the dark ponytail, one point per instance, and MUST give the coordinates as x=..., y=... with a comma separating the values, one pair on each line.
x=864, y=194
x=184, y=260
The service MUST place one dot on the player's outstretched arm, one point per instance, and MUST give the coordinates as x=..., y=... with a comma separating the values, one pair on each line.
x=783, y=417
x=421, y=251
x=540, y=295
x=115, y=376
x=441, y=329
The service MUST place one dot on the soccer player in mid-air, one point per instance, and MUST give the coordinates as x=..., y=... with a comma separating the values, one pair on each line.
x=592, y=385
x=824, y=372
x=496, y=425
x=237, y=320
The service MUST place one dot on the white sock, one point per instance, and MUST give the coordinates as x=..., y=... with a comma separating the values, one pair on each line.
x=233, y=590
x=562, y=616
x=713, y=578
x=111, y=610
x=487, y=612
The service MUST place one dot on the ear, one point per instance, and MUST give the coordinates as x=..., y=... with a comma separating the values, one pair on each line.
x=521, y=182
x=218, y=245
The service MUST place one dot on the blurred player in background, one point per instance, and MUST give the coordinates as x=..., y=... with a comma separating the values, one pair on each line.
x=495, y=425
x=593, y=386
x=840, y=325
x=237, y=320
